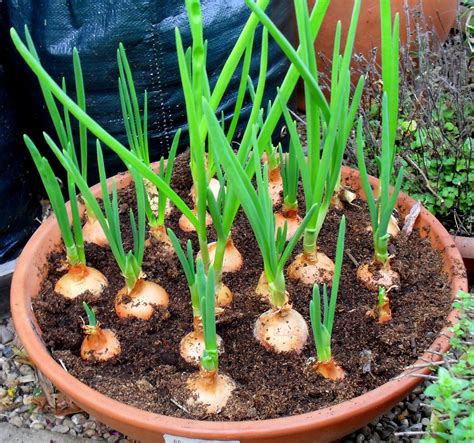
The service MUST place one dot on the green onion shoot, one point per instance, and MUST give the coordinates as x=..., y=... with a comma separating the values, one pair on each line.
x=382, y=312
x=208, y=388
x=322, y=320
x=99, y=344
x=191, y=347
x=157, y=204
x=91, y=231
x=290, y=176
x=79, y=278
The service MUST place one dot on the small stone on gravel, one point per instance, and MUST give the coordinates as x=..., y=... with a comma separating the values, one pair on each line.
x=61, y=429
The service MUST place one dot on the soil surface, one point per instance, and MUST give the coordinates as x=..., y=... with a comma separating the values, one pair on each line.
x=151, y=375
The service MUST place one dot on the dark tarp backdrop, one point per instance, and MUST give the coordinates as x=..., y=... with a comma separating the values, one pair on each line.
x=146, y=28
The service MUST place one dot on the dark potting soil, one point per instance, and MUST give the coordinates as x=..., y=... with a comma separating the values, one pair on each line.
x=150, y=374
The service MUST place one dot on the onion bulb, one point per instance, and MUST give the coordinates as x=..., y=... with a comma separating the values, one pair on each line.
x=214, y=186
x=312, y=268
x=233, y=260
x=210, y=390
x=292, y=219
x=141, y=301
x=373, y=276
x=187, y=226
x=262, y=288
x=224, y=297
x=80, y=279
x=281, y=330
x=93, y=233
x=275, y=185
x=159, y=233
x=329, y=369
x=382, y=312
x=99, y=344
x=191, y=346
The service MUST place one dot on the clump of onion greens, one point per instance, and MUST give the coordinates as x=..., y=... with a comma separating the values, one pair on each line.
x=192, y=344
x=79, y=278
x=139, y=297
x=92, y=232
x=281, y=329
x=98, y=344
x=328, y=129
x=157, y=204
x=381, y=201
x=209, y=387
x=322, y=320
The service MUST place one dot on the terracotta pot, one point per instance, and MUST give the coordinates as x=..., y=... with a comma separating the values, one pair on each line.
x=439, y=15
x=466, y=248
x=323, y=425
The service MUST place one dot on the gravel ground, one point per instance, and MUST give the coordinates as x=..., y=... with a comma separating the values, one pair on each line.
x=23, y=404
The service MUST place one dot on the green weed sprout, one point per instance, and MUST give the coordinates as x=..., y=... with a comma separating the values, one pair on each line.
x=79, y=277
x=322, y=320
x=328, y=129
x=451, y=393
x=92, y=231
x=208, y=387
x=281, y=329
x=380, y=208
x=192, y=345
x=157, y=206
x=382, y=312
x=139, y=297
x=98, y=344
x=290, y=177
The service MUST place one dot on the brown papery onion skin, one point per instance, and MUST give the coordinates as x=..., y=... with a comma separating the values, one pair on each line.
x=329, y=369
x=141, y=301
x=80, y=279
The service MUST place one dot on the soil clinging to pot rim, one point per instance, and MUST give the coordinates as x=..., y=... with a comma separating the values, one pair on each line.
x=150, y=373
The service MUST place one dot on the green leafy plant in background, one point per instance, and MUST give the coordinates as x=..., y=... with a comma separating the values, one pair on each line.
x=452, y=393
x=434, y=140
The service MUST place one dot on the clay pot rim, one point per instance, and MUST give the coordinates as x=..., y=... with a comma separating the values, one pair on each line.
x=23, y=319
x=465, y=245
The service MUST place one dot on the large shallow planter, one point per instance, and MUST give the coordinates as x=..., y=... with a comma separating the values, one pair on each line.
x=320, y=426
x=466, y=248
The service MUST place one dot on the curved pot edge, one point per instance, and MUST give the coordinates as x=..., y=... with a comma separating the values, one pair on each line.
x=124, y=417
